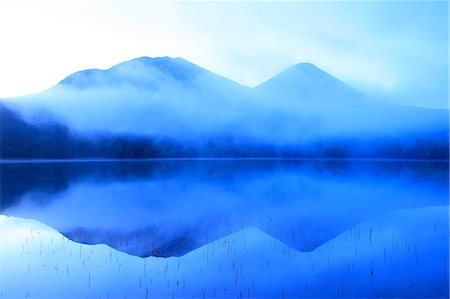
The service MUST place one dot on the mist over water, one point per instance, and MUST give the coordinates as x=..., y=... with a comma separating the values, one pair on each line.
x=168, y=208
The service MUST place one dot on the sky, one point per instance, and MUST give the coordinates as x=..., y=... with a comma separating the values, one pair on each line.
x=395, y=51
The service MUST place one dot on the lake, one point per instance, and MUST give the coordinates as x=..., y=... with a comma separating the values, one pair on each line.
x=240, y=228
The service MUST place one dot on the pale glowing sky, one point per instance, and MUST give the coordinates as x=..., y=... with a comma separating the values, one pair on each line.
x=393, y=50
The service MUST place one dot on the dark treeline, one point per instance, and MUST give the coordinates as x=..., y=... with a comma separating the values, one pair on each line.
x=22, y=140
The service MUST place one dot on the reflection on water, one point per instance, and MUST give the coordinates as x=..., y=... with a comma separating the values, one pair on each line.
x=169, y=208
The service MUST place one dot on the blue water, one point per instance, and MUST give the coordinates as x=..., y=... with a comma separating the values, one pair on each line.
x=171, y=207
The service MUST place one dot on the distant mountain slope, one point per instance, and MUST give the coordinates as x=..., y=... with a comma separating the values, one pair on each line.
x=145, y=72
x=306, y=82
x=302, y=111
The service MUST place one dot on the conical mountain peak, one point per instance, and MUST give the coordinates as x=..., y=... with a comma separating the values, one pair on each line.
x=307, y=82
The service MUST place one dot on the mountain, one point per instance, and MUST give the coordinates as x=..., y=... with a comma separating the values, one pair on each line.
x=145, y=72
x=302, y=111
x=156, y=97
x=345, y=111
x=306, y=82
x=142, y=72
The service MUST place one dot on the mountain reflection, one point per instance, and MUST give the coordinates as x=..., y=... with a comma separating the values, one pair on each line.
x=170, y=207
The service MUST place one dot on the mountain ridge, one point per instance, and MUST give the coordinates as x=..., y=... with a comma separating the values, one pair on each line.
x=177, y=101
x=141, y=70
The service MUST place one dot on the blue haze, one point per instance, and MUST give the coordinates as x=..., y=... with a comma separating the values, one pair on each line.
x=173, y=98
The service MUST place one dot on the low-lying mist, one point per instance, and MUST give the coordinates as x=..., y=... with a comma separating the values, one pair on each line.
x=173, y=207
x=172, y=99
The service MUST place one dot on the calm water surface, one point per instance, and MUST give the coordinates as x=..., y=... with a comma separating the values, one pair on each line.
x=170, y=208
